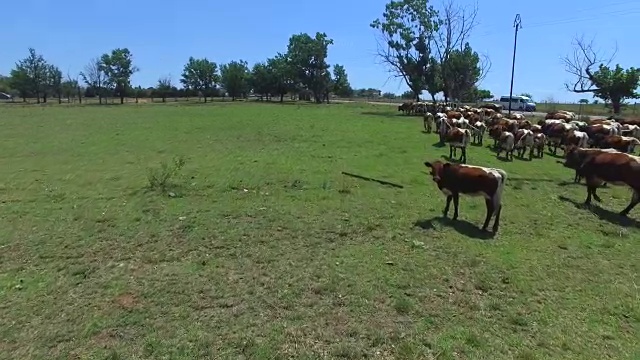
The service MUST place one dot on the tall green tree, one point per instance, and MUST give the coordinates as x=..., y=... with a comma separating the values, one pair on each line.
x=308, y=56
x=20, y=81
x=282, y=75
x=261, y=80
x=235, y=78
x=341, y=85
x=592, y=74
x=118, y=66
x=31, y=75
x=463, y=73
x=53, y=82
x=200, y=75
x=407, y=30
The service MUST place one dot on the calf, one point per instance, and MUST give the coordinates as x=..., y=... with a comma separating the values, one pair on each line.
x=506, y=143
x=458, y=139
x=523, y=139
x=613, y=167
x=456, y=179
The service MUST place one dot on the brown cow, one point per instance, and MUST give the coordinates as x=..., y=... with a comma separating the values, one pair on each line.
x=555, y=133
x=458, y=139
x=406, y=107
x=613, y=167
x=456, y=179
x=617, y=142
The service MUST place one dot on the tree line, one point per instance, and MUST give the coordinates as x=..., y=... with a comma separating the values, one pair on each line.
x=302, y=70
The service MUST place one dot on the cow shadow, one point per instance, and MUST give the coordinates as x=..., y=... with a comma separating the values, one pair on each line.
x=603, y=214
x=438, y=144
x=557, y=156
x=455, y=161
x=462, y=227
x=383, y=114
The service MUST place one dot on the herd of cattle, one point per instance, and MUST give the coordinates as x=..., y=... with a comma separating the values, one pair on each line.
x=601, y=151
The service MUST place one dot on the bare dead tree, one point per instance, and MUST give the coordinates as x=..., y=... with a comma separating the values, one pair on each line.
x=582, y=63
x=94, y=76
x=457, y=23
x=164, y=87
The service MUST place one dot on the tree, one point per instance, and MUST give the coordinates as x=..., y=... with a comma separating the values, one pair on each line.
x=164, y=87
x=31, y=75
x=95, y=77
x=234, y=76
x=341, y=86
x=389, y=95
x=592, y=74
x=583, y=101
x=308, y=56
x=484, y=94
x=261, y=80
x=408, y=95
x=200, y=75
x=282, y=75
x=20, y=81
x=407, y=31
x=527, y=95
x=118, y=66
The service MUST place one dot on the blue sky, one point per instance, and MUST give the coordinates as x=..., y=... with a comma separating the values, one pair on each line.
x=69, y=33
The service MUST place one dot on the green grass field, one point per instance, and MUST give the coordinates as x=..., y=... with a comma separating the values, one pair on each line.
x=260, y=248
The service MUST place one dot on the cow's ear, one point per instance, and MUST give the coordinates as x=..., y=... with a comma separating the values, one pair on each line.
x=427, y=164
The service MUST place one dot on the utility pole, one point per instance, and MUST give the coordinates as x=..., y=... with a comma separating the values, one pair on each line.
x=517, y=23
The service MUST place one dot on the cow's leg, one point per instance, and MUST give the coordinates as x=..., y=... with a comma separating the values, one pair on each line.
x=463, y=156
x=450, y=151
x=490, y=210
x=456, y=199
x=531, y=153
x=445, y=212
x=635, y=199
x=496, y=222
x=499, y=152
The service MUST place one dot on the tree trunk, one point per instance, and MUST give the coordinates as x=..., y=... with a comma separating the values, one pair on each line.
x=616, y=105
x=164, y=98
x=59, y=98
x=100, y=99
x=37, y=97
x=121, y=98
x=44, y=98
x=281, y=97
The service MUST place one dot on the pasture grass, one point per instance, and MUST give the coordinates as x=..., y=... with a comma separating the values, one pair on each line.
x=259, y=248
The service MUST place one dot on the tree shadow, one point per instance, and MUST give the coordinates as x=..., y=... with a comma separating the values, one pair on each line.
x=462, y=227
x=603, y=214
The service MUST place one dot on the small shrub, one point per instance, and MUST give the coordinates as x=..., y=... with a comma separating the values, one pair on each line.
x=160, y=178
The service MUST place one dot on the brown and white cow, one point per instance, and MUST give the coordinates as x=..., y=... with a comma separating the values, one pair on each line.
x=539, y=140
x=507, y=144
x=616, y=168
x=428, y=120
x=523, y=140
x=456, y=179
x=576, y=138
x=458, y=139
